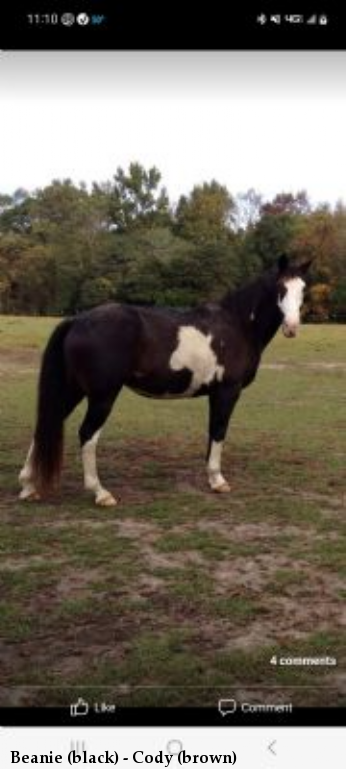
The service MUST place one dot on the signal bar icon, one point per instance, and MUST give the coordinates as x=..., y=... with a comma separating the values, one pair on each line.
x=314, y=19
x=294, y=18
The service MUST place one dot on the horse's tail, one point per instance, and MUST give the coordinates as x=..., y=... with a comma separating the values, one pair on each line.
x=51, y=411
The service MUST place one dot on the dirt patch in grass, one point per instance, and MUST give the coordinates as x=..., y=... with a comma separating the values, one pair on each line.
x=251, y=532
x=142, y=531
x=78, y=584
x=311, y=365
x=254, y=574
x=149, y=585
x=19, y=361
x=145, y=534
x=338, y=680
x=312, y=496
x=279, y=623
x=18, y=563
x=158, y=560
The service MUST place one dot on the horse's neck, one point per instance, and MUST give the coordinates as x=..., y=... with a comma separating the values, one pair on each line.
x=266, y=324
x=255, y=306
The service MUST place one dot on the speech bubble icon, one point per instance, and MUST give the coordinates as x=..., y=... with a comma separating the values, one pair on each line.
x=227, y=706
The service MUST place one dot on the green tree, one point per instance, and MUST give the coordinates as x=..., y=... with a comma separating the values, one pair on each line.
x=316, y=238
x=207, y=215
x=338, y=301
x=287, y=203
x=135, y=198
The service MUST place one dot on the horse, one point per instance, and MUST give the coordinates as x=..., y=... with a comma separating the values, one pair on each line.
x=213, y=350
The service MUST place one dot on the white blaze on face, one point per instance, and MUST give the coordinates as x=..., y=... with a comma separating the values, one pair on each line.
x=194, y=352
x=290, y=305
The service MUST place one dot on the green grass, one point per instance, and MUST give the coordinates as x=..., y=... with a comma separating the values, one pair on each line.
x=22, y=332
x=178, y=596
x=314, y=344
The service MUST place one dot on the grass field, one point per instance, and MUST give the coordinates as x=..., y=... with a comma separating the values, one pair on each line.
x=178, y=596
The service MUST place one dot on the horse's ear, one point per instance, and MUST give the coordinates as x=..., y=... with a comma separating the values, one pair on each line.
x=303, y=268
x=283, y=263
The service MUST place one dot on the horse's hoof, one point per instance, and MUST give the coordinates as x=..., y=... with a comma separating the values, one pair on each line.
x=29, y=496
x=107, y=500
x=223, y=488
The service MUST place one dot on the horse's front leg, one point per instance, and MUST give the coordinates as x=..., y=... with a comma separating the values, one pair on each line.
x=222, y=401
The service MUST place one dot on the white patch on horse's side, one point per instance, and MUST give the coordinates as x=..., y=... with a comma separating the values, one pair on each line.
x=291, y=303
x=194, y=352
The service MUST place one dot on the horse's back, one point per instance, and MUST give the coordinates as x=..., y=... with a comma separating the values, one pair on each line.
x=101, y=345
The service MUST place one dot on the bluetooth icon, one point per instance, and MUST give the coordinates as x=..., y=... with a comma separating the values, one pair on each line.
x=262, y=19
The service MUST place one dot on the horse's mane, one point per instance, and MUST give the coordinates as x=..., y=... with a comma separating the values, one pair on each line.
x=247, y=298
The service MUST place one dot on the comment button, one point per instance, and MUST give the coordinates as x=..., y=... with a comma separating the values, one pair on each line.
x=227, y=707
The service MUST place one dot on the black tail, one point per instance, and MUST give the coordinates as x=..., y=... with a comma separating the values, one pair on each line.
x=51, y=411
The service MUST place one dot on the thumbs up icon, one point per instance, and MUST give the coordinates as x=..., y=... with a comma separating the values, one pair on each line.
x=79, y=708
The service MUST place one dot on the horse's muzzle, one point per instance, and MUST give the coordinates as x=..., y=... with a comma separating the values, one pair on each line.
x=289, y=331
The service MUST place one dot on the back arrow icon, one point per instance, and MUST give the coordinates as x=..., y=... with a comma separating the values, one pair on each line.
x=271, y=747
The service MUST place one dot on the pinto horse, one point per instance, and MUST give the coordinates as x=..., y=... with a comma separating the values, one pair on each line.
x=213, y=350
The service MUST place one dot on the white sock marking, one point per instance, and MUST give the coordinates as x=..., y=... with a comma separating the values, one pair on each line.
x=26, y=476
x=215, y=476
x=91, y=479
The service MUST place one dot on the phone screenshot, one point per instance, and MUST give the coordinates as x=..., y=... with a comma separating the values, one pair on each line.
x=173, y=373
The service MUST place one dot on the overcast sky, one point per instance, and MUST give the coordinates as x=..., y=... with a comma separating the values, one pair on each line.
x=273, y=121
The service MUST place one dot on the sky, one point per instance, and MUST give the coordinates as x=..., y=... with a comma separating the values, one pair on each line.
x=273, y=121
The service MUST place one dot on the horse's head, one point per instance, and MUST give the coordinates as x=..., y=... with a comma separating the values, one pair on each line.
x=290, y=293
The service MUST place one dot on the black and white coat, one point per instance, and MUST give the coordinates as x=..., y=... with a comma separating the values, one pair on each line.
x=213, y=350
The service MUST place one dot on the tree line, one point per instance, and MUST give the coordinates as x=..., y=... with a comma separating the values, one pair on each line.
x=65, y=248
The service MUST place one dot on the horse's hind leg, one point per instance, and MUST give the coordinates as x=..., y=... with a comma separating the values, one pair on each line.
x=89, y=433
x=26, y=476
